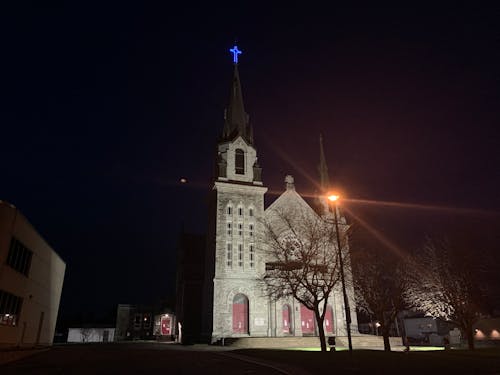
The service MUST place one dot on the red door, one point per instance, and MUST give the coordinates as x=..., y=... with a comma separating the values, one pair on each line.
x=329, y=320
x=286, y=319
x=240, y=314
x=307, y=320
x=165, y=325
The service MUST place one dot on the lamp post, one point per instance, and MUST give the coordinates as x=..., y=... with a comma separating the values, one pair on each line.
x=335, y=199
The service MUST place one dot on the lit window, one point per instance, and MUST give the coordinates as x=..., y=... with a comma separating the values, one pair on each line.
x=229, y=255
x=250, y=227
x=240, y=229
x=239, y=161
x=10, y=308
x=240, y=255
x=229, y=231
x=252, y=256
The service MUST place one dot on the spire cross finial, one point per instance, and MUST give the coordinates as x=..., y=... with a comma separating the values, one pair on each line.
x=235, y=51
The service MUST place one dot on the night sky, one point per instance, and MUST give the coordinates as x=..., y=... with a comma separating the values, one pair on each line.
x=105, y=107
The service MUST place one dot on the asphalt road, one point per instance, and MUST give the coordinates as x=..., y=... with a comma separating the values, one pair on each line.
x=141, y=358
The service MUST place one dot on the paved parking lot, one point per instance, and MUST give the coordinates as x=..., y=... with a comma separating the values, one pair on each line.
x=136, y=358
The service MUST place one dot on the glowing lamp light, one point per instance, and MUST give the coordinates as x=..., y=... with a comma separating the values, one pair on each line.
x=377, y=324
x=333, y=197
x=479, y=334
x=495, y=334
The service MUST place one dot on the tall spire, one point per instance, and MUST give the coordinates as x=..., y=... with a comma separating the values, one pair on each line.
x=236, y=120
x=322, y=167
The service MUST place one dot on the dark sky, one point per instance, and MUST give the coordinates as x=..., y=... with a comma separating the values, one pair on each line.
x=106, y=106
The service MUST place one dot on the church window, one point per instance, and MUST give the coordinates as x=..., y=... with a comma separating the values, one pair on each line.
x=240, y=211
x=250, y=227
x=252, y=256
x=239, y=161
x=240, y=229
x=250, y=212
x=229, y=210
x=240, y=255
x=229, y=255
x=229, y=230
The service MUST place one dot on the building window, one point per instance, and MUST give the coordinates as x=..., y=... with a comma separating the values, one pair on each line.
x=250, y=212
x=19, y=257
x=229, y=210
x=250, y=227
x=137, y=321
x=239, y=161
x=252, y=256
x=229, y=230
x=229, y=255
x=240, y=255
x=10, y=308
x=240, y=211
x=240, y=229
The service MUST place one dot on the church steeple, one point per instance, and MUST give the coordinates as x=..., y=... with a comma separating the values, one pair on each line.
x=236, y=153
x=236, y=120
x=323, y=168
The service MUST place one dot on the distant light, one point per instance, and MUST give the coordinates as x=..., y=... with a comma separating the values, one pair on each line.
x=495, y=334
x=7, y=315
x=334, y=198
x=183, y=180
x=479, y=334
x=377, y=324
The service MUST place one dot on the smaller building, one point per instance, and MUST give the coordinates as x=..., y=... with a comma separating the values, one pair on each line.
x=165, y=327
x=84, y=334
x=426, y=330
x=31, y=280
x=134, y=322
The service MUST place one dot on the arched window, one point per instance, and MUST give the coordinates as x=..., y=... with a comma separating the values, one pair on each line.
x=286, y=319
x=239, y=161
x=240, y=314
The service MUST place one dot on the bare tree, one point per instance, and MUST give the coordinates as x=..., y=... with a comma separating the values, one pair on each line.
x=442, y=283
x=305, y=263
x=85, y=333
x=379, y=288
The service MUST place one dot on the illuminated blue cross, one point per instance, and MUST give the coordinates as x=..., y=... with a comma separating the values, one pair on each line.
x=235, y=51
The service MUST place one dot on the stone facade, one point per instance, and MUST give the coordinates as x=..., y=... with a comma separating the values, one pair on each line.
x=236, y=304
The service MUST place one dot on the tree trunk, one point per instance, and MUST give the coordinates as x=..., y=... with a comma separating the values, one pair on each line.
x=321, y=329
x=387, y=342
x=470, y=336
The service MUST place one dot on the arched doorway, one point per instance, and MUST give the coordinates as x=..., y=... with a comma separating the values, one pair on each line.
x=286, y=319
x=329, y=320
x=306, y=320
x=240, y=314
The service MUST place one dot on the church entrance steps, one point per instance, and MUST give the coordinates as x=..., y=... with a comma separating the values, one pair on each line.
x=358, y=342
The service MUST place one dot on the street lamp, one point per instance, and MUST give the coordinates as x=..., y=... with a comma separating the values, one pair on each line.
x=335, y=199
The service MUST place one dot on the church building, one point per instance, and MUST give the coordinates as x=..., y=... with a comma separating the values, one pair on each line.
x=235, y=300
